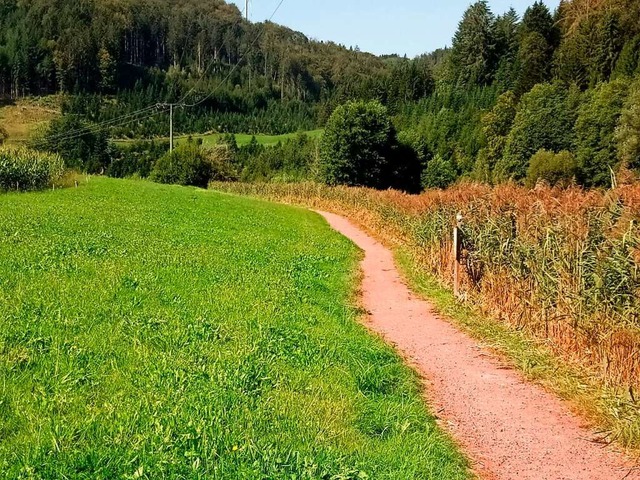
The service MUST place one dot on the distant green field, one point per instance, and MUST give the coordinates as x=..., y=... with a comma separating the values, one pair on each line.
x=244, y=139
x=150, y=331
x=241, y=138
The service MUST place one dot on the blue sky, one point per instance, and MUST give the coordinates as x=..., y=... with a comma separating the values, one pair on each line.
x=407, y=27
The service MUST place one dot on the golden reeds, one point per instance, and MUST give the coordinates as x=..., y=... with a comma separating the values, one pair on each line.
x=561, y=264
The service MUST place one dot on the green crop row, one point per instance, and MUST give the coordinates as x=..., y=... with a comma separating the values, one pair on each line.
x=25, y=169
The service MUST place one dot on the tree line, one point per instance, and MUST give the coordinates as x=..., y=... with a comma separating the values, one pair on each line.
x=550, y=96
x=561, y=88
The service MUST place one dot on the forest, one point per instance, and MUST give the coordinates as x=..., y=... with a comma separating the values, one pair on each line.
x=552, y=96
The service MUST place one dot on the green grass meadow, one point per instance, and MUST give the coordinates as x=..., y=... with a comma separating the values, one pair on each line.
x=151, y=331
x=245, y=139
x=242, y=139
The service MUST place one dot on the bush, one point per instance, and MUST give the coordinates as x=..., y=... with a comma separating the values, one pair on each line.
x=191, y=164
x=553, y=168
x=222, y=162
x=89, y=150
x=356, y=146
x=137, y=158
x=25, y=169
x=440, y=173
x=291, y=160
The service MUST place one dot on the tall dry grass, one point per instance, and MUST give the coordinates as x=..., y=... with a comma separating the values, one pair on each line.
x=562, y=265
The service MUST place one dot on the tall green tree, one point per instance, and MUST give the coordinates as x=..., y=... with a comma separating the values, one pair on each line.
x=356, y=145
x=628, y=130
x=595, y=132
x=473, y=49
x=545, y=120
x=629, y=61
x=538, y=39
x=609, y=46
x=506, y=49
x=496, y=126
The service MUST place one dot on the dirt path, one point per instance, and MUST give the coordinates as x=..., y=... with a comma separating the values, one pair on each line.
x=510, y=429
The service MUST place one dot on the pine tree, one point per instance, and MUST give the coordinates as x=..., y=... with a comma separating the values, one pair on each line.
x=538, y=39
x=473, y=49
x=608, y=48
x=506, y=37
x=107, y=67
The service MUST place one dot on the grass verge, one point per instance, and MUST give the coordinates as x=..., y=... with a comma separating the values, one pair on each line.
x=151, y=331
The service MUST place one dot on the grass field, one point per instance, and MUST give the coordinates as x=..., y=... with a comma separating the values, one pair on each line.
x=245, y=139
x=241, y=138
x=22, y=118
x=149, y=331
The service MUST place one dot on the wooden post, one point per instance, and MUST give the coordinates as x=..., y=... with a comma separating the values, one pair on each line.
x=457, y=254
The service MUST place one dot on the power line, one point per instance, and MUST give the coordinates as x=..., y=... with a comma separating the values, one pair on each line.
x=159, y=108
x=162, y=107
x=98, y=126
x=235, y=67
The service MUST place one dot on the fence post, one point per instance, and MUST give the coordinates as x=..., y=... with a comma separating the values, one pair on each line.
x=457, y=254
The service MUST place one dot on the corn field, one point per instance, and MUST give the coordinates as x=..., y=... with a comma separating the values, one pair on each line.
x=25, y=169
x=560, y=264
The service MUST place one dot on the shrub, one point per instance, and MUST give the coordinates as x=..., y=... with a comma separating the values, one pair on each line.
x=356, y=145
x=291, y=160
x=553, y=168
x=88, y=150
x=191, y=164
x=25, y=169
x=545, y=119
x=222, y=163
x=137, y=158
x=440, y=173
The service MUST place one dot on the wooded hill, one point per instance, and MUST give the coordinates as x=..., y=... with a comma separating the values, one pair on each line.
x=49, y=46
x=561, y=83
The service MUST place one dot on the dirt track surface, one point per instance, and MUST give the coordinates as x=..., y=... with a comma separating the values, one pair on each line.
x=509, y=429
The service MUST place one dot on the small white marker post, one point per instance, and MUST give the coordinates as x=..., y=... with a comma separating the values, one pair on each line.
x=457, y=254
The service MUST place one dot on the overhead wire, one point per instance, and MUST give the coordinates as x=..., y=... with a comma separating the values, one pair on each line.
x=242, y=57
x=100, y=125
x=151, y=110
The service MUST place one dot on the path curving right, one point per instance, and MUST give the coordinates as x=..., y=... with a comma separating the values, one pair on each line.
x=509, y=428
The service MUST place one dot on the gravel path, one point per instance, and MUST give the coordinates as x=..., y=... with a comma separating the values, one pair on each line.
x=509, y=428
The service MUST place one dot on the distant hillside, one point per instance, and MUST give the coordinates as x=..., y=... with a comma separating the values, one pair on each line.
x=103, y=46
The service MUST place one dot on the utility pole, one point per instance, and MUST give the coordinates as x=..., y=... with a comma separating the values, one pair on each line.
x=172, y=107
x=171, y=127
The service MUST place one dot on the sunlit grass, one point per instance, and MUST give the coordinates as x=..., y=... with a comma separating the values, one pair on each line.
x=241, y=138
x=245, y=139
x=149, y=331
